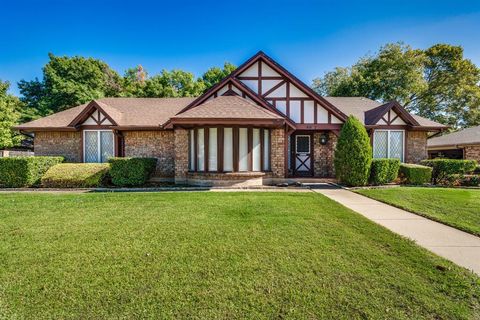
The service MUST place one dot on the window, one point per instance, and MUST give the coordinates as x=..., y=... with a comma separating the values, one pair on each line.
x=388, y=144
x=98, y=145
x=241, y=149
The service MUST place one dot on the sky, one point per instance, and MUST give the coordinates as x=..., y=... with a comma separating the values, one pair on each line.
x=309, y=38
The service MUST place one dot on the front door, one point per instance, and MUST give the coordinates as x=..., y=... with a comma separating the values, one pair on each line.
x=302, y=155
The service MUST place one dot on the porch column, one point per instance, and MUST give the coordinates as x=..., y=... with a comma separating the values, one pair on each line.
x=181, y=156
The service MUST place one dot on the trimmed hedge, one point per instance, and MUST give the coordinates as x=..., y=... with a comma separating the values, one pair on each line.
x=17, y=172
x=75, y=175
x=415, y=174
x=384, y=171
x=129, y=172
x=442, y=168
x=353, y=154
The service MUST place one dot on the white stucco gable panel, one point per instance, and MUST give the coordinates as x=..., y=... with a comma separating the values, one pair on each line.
x=252, y=71
x=269, y=84
x=280, y=92
x=398, y=120
x=268, y=72
x=296, y=93
x=252, y=84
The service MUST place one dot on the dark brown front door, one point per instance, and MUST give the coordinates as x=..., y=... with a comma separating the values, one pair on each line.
x=301, y=158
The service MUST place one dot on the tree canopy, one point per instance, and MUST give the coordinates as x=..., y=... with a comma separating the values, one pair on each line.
x=437, y=83
x=10, y=107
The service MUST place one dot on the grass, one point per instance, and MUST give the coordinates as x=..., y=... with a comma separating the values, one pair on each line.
x=459, y=208
x=215, y=255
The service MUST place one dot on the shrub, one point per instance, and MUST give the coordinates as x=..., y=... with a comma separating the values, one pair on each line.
x=353, y=155
x=75, y=175
x=384, y=171
x=16, y=172
x=128, y=172
x=455, y=180
x=415, y=174
x=444, y=167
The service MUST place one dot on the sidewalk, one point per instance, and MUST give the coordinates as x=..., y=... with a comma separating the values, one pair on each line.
x=457, y=246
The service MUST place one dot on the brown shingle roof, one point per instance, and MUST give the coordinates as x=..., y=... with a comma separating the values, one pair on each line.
x=228, y=107
x=465, y=136
x=126, y=112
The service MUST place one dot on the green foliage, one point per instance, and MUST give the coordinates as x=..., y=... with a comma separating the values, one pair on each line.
x=414, y=174
x=384, y=171
x=9, y=116
x=437, y=83
x=214, y=75
x=353, y=154
x=16, y=172
x=442, y=168
x=75, y=175
x=129, y=172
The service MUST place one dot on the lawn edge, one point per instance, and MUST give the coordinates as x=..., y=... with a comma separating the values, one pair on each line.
x=461, y=228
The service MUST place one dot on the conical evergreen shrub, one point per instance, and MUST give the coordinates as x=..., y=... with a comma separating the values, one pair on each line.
x=353, y=154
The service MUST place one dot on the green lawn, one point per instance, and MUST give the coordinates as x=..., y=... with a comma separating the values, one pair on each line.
x=459, y=208
x=215, y=255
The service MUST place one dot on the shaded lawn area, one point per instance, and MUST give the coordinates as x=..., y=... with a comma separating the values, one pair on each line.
x=216, y=255
x=459, y=208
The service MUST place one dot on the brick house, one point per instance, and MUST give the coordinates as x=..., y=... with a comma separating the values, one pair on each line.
x=463, y=144
x=258, y=125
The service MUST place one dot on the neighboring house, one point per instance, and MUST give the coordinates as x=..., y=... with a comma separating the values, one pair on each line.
x=260, y=123
x=463, y=144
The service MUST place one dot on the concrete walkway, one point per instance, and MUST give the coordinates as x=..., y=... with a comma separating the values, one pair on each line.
x=457, y=246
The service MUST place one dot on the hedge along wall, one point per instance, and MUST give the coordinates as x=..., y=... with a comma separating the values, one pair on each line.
x=129, y=172
x=415, y=174
x=75, y=175
x=442, y=168
x=384, y=171
x=20, y=172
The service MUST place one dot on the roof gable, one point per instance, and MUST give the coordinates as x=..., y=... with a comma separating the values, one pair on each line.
x=391, y=113
x=94, y=114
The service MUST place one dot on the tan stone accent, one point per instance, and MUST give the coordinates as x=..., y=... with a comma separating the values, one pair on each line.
x=230, y=179
x=472, y=153
x=157, y=144
x=59, y=143
x=416, y=146
x=277, y=155
x=323, y=155
x=181, y=155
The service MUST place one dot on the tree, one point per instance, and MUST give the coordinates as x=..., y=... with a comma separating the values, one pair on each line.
x=438, y=83
x=175, y=83
x=68, y=82
x=9, y=116
x=134, y=82
x=353, y=154
x=213, y=75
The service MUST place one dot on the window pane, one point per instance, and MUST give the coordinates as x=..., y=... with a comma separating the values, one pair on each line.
x=200, y=150
x=266, y=150
x=396, y=144
x=91, y=146
x=243, y=149
x=106, y=145
x=380, y=144
x=256, y=165
x=227, y=149
x=212, y=149
x=303, y=144
x=191, y=158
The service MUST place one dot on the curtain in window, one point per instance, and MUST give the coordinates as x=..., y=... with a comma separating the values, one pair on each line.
x=256, y=163
x=243, y=149
x=266, y=150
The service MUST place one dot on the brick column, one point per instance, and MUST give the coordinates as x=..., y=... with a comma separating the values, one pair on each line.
x=278, y=153
x=472, y=153
x=416, y=146
x=181, y=155
x=323, y=155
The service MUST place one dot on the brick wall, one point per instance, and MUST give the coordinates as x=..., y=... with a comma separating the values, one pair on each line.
x=278, y=153
x=416, y=146
x=323, y=155
x=157, y=144
x=472, y=153
x=181, y=155
x=59, y=143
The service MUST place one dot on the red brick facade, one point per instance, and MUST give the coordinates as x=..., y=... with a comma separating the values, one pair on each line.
x=323, y=155
x=416, y=146
x=472, y=153
x=59, y=143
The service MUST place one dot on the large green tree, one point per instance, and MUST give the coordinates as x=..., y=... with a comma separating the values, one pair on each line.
x=213, y=75
x=9, y=116
x=438, y=83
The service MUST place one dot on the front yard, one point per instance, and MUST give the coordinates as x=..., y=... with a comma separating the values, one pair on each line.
x=215, y=255
x=459, y=208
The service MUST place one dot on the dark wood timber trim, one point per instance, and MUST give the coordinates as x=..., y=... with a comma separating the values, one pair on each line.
x=263, y=78
x=275, y=87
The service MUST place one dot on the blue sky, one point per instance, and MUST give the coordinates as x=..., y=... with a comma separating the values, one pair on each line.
x=307, y=37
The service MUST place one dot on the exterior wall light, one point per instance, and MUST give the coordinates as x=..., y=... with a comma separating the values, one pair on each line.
x=323, y=139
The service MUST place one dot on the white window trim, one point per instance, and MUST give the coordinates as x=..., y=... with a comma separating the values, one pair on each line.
x=309, y=142
x=99, y=151
x=388, y=141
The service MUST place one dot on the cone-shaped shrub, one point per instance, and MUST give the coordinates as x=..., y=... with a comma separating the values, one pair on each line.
x=353, y=155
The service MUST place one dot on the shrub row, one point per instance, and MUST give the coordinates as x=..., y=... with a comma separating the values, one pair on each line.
x=75, y=175
x=442, y=168
x=50, y=172
x=17, y=172
x=384, y=171
x=415, y=174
